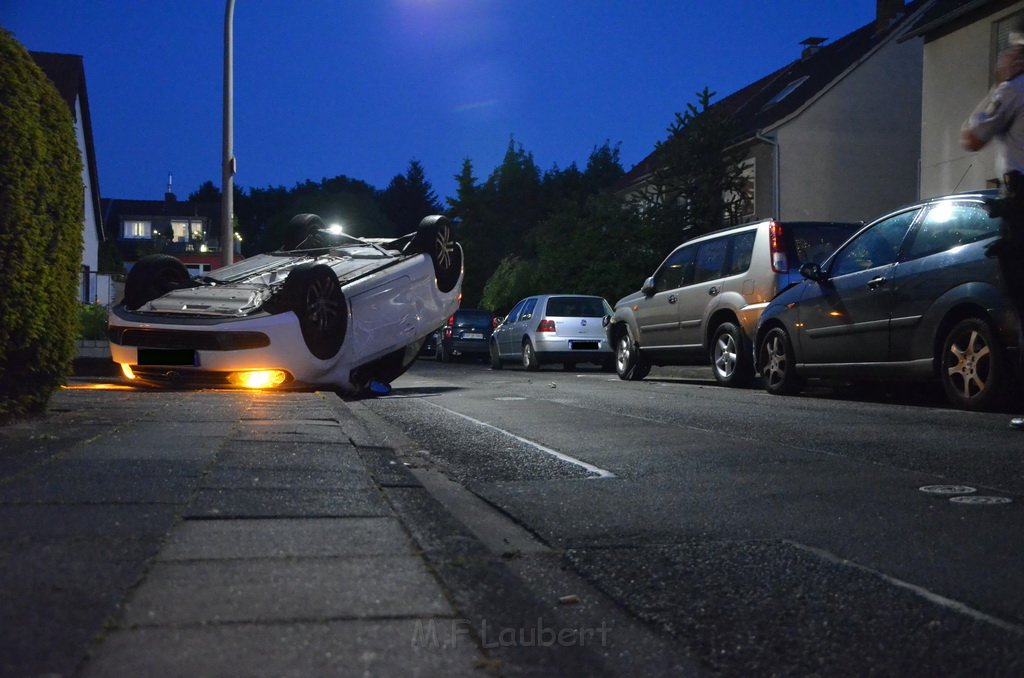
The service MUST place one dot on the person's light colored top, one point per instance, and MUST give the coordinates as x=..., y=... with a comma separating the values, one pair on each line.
x=1000, y=116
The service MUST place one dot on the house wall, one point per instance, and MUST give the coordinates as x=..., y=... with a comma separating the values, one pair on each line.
x=853, y=154
x=90, y=229
x=957, y=74
x=90, y=246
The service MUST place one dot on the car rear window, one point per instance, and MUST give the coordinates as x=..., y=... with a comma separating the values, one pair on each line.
x=814, y=242
x=575, y=307
x=472, y=318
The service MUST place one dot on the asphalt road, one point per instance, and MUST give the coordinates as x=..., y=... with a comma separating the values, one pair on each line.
x=756, y=534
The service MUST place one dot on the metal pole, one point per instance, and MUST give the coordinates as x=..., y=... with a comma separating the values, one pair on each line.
x=227, y=236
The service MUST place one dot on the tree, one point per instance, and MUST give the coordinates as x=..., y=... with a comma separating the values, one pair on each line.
x=408, y=199
x=42, y=202
x=698, y=183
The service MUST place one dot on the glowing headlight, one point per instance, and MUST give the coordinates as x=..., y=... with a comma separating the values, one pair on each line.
x=258, y=379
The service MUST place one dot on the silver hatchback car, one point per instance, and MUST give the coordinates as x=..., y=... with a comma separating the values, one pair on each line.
x=553, y=328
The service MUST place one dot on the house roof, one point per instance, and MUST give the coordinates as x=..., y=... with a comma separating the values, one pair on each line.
x=766, y=103
x=948, y=14
x=67, y=73
x=116, y=208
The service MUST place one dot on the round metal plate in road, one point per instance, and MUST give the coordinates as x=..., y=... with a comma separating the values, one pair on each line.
x=976, y=499
x=947, y=489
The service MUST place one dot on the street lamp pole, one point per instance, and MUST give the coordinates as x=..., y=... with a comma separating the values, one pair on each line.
x=227, y=237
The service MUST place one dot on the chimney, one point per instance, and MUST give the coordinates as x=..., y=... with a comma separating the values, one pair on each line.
x=811, y=47
x=887, y=11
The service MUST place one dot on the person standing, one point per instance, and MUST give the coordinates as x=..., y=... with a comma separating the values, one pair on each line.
x=999, y=117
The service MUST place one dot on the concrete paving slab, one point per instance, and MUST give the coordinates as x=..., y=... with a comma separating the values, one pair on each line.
x=400, y=647
x=285, y=479
x=56, y=488
x=286, y=538
x=290, y=431
x=143, y=442
x=307, y=589
x=247, y=503
x=289, y=456
x=85, y=521
x=58, y=594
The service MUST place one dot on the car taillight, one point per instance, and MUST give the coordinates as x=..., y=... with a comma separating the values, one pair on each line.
x=777, y=249
x=546, y=325
x=448, y=326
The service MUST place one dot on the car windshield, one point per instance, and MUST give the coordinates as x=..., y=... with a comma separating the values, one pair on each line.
x=814, y=242
x=472, y=318
x=576, y=307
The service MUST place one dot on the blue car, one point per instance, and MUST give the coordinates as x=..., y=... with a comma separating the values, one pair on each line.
x=912, y=295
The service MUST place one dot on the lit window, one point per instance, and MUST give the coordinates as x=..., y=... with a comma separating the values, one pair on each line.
x=138, y=229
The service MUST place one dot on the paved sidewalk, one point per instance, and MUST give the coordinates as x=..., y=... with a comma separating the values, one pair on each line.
x=208, y=533
x=218, y=533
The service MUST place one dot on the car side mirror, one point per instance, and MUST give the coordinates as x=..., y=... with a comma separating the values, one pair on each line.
x=812, y=271
x=495, y=321
x=648, y=286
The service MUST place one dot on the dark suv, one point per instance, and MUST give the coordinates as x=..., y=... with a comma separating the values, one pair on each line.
x=466, y=333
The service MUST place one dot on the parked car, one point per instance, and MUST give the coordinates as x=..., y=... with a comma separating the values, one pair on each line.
x=467, y=333
x=912, y=295
x=702, y=303
x=326, y=310
x=553, y=328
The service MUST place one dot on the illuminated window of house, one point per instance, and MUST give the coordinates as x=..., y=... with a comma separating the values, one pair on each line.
x=137, y=229
x=187, y=229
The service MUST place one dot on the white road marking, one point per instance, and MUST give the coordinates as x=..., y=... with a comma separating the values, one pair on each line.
x=935, y=598
x=598, y=472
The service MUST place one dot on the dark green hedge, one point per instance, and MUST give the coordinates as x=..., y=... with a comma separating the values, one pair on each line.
x=41, y=216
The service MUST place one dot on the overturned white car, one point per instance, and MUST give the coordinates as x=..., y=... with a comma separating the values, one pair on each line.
x=327, y=310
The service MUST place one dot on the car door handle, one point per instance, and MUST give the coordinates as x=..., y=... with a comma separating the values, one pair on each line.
x=673, y=299
x=713, y=291
x=875, y=283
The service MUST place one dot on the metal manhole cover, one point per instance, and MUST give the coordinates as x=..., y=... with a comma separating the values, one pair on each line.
x=981, y=500
x=947, y=489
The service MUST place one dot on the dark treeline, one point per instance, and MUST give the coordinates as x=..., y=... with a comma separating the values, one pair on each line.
x=527, y=231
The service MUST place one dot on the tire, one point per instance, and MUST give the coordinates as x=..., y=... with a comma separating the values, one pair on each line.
x=152, y=277
x=312, y=291
x=301, y=227
x=778, y=364
x=495, y=356
x=731, y=362
x=973, y=366
x=435, y=237
x=530, y=361
x=629, y=363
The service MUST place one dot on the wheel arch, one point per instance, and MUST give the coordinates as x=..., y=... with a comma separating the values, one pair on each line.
x=721, y=315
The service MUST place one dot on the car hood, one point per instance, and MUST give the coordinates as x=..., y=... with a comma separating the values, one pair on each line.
x=240, y=289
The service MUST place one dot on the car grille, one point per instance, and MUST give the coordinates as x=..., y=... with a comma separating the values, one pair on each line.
x=204, y=341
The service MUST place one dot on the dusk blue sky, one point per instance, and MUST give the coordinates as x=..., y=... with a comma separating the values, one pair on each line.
x=361, y=87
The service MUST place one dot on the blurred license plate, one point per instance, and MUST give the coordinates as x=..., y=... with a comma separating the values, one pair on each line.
x=157, y=356
x=583, y=345
x=472, y=335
